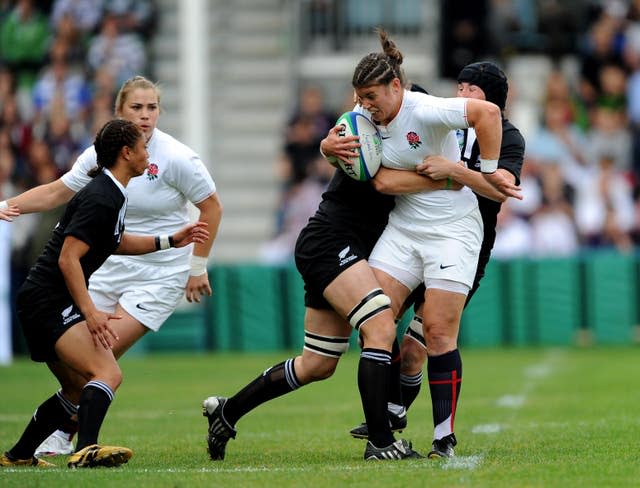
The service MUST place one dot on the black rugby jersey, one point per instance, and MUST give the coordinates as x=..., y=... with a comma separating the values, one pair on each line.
x=95, y=215
x=355, y=204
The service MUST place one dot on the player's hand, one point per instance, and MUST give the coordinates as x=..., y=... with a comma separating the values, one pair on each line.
x=197, y=286
x=101, y=332
x=503, y=185
x=341, y=147
x=436, y=167
x=195, y=232
x=9, y=212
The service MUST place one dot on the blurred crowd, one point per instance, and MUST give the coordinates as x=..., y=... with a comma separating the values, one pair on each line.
x=581, y=176
x=61, y=64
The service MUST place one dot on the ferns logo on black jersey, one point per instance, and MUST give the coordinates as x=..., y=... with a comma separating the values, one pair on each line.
x=152, y=171
x=414, y=140
x=344, y=259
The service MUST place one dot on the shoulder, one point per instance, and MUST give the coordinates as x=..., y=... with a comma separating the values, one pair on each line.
x=511, y=134
x=169, y=145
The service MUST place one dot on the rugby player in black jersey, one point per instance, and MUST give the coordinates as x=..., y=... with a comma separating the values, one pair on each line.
x=62, y=325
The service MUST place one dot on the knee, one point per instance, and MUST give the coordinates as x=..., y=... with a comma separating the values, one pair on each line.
x=441, y=339
x=413, y=355
x=313, y=369
x=378, y=333
x=111, y=375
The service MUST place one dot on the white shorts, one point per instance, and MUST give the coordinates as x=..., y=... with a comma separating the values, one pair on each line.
x=149, y=293
x=440, y=252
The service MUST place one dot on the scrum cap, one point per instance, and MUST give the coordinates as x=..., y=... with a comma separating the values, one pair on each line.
x=490, y=78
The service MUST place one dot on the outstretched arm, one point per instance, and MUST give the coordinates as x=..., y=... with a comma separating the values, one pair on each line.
x=136, y=244
x=40, y=198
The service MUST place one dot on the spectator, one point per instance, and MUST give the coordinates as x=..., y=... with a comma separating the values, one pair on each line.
x=121, y=53
x=137, y=16
x=85, y=15
x=24, y=38
x=62, y=86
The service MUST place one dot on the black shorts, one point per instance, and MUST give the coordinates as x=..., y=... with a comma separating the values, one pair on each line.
x=44, y=318
x=323, y=251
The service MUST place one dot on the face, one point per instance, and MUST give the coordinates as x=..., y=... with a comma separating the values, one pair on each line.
x=142, y=108
x=138, y=157
x=468, y=90
x=382, y=101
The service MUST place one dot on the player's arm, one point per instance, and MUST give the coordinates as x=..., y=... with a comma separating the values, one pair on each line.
x=486, y=119
x=198, y=282
x=398, y=182
x=38, y=199
x=133, y=244
x=439, y=168
x=73, y=249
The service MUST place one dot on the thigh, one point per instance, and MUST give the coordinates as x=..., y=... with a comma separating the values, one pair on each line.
x=395, y=289
x=350, y=287
x=129, y=330
x=76, y=349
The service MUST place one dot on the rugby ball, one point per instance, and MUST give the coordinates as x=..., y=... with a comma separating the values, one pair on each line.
x=366, y=165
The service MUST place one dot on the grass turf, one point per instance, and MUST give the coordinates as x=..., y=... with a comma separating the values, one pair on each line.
x=527, y=418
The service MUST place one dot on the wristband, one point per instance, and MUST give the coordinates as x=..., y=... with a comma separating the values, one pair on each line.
x=198, y=266
x=163, y=242
x=449, y=183
x=4, y=205
x=488, y=165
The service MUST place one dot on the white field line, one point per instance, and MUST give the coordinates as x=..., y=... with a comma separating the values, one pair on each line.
x=532, y=375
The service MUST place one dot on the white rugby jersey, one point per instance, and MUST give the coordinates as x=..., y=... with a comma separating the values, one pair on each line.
x=157, y=200
x=425, y=126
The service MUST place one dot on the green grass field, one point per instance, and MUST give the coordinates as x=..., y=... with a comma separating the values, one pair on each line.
x=527, y=417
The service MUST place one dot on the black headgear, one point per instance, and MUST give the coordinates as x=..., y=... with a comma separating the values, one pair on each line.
x=490, y=78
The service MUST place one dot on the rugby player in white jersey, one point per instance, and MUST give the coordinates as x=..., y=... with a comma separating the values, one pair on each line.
x=144, y=290
x=432, y=237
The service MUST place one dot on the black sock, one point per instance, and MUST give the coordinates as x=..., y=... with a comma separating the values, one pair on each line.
x=46, y=419
x=445, y=381
x=94, y=402
x=373, y=383
x=274, y=382
x=410, y=388
x=395, y=387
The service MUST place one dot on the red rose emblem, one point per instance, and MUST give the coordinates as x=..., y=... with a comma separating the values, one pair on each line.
x=152, y=171
x=414, y=140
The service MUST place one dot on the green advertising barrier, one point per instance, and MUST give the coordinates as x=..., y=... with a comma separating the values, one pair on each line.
x=519, y=303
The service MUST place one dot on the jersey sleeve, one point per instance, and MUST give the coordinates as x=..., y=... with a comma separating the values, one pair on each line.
x=190, y=176
x=450, y=112
x=77, y=178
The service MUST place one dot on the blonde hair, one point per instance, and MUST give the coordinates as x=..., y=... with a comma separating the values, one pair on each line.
x=130, y=85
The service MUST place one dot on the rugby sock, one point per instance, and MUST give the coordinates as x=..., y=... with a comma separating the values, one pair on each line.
x=95, y=400
x=395, y=389
x=445, y=380
x=410, y=385
x=49, y=415
x=274, y=382
x=373, y=383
